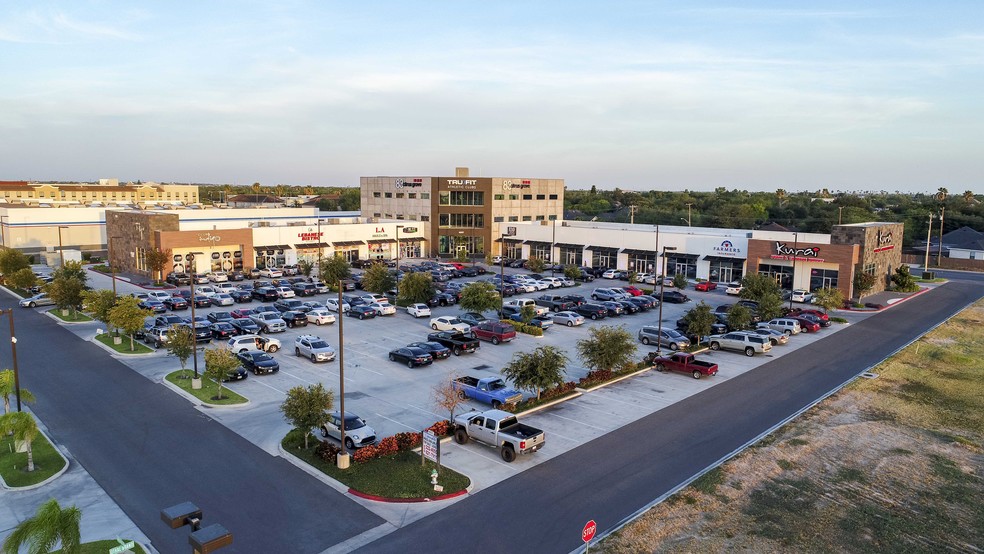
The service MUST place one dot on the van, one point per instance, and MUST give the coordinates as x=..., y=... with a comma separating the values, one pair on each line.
x=786, y=325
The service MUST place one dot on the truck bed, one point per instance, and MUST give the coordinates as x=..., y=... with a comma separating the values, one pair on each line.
x=521, y=431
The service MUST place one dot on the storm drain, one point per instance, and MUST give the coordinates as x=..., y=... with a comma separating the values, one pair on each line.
x=869, y=375
x=482, y=367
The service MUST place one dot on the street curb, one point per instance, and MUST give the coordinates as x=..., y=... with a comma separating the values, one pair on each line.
x=57, y=474
x=375, y=498
x=533, y=410
x=115, y=353
x=61, y=321
x=922, y=290
x=194, y=400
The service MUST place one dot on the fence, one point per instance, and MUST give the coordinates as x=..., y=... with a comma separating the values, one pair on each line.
x=945, y=263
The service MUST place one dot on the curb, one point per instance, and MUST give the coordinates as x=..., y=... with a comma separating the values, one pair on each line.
x=575, y=394
x=375, y=498
x=57, y=474
x=922, y=290
x=114, y=352
x=194, y=400
x=615, y=380
x=61, y=321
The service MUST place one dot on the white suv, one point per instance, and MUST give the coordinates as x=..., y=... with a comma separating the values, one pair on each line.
x=749, y=344
x=253, y=343
x=313, y=347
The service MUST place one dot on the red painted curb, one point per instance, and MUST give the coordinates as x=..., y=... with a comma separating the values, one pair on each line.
x=405, y=500
x=922, y=290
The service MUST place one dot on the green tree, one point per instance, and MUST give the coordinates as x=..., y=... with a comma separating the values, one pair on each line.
x=23, y=278
x=607, y=347
x=219, y=364
x=8, y=388
x=182, y=343
x=739, y=317
x=23, y=427
x=99, y=303
x=700, y=320
x=334, y=269
x=157, y=260
x=378, y=279
x=829, y=299
x=633, y=277
x=305, y=267
x=66, y=292
x=71, y=270
x=863, y=283
x=527, y=313
x=461, y=255
x=12, y=260
x=572, y=272
x=770, y=306
x=537, y=370
x=903, y=280
x=479, y=297
x=128, y=316
x=680, y=281
x=535, y=264
x=756, y=286
x=50, y=526
x=307, y=408
x=415, y=287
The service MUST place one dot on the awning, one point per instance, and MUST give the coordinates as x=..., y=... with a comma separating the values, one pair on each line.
x=723, y=259
x=688, y=257
x=349, y=243
x=636, y=252
x=382, y=241
x=311, y=245
x=571, y=246
x=414, y=239
x=273, y=247
x=603, y=249
x=536, y=243
x=507, y=239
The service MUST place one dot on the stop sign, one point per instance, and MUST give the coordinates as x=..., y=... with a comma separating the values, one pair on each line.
x=588, y=533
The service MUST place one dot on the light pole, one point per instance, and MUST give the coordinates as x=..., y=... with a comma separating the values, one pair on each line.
x=840, y=212
x=553, y=244
x=398, y=227
x=112, y=268
x=341, y=380
x=793, y=283
x=689, y=204
x=61, y=251
x=320, y=248
x=194, y=273
x=929, y=235
x=659, y=339
x=939, y=248
x=13, y=355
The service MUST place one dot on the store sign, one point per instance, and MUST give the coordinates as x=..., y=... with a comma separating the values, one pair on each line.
x=808, y=254
x=409, y=183
x=727, y=248
x=457, y=184
x=379, y=233
x=209, y=238
x=409, y=229
x=884, y=241
x=309, y=236
x=508, y=185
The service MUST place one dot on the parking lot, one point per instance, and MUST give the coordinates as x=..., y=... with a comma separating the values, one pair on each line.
x=393, y=398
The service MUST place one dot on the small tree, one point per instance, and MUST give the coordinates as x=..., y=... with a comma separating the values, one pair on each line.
x=378, y=279
x=71, y=270
x=479, y=297
x=334, y=269
x=50, y=526
x=23, y=427
x=903, y=280
x=416, y=287
x=128, y=316
x=305, y=267
x=12, y=260
x=182, y=343
x=572, y=272
x=307, y=408
x=537, y=370
x=739, y=317
x=157, y=260
x=99, y=303
x=829, y=299
x=446, y=397
x=527, y=313
x=535, y=264
x=66, y=292
x=633, y=277
x=8, y=389
x=680, y=281
x=219, y=364
x=23, y=278
x=863, y=283
x=756, y=286
x=461, y=255
x=608, y=347
x=770, y=306
x=700, y=320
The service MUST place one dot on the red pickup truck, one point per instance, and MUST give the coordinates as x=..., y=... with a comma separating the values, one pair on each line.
x=494, y=331
x=682, y=362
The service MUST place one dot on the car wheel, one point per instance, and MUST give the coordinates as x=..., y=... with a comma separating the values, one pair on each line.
x=674, y=346
x=392, y=358
x=570, y=323
x=434, y=326
x=314, y=359
x=594, y=316
x=660, y=368
x=696, y=374
x=462, y=395
x=410, y=364
x=317, y=322
x=273, y=348
x=461, y=436
x=456, y=351
x=324, y=431
x=495, y=340
x=749, y=351
x=645, y=340
x=496, y=404
x=31, y=305
x=715, y=346
x=243, y=351
x=508, y=454
x=362, y=316
x=349, y=443
x=788, y=333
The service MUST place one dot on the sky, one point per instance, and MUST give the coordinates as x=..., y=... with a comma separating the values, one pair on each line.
x=640, y=95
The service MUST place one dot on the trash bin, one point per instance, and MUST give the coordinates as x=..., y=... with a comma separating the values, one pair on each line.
x=929, y=275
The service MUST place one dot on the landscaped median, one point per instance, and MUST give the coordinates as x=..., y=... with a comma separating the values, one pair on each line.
x=48, y=462
x=124, y=346
x=208, y=394
x=68, y=316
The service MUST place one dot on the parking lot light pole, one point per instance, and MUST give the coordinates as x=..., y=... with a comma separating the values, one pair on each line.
x=61, y=249
x=398, y=227
x=194, y=273
x=341, y=379
x=659, y=339
x=793, y=283
x=13, y=355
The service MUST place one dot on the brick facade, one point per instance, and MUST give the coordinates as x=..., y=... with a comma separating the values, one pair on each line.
x=880, y=246
x=803, y=256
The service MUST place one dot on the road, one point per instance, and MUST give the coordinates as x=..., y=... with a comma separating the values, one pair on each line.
x=543, y=509
x=150, y=449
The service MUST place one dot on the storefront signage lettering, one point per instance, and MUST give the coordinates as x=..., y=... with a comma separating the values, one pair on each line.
x=883, y=241
x=808, y=254
x=461, y=184
x=209, y=237
x=379, y=233
x=310, y=236
x=405, y=183
x=509, y=185
x=728, y=248
x=409, y=229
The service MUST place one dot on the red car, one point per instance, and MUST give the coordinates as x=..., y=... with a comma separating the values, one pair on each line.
x=807, y=326
x=818, y=313
x=705, y=286
x=240, y=313
x=634, y=291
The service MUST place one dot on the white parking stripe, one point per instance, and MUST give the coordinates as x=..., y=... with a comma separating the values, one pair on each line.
x=268, y=386
x=575, y=421
x=396, y=422
x=296, y=377
x=424, y=410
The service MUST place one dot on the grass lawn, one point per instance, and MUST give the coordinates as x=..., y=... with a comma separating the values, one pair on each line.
x=102, y=547
x=78, y=317
x=124, y=347
x=47, y=462
x=20, y=292
x=396, y=476
x=182, y=378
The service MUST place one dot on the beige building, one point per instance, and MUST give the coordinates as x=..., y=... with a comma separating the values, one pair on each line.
x=462, y=212
x=106, y=192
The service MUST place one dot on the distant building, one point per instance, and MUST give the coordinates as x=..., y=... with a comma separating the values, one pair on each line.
x=105, y=192
x=255, y=201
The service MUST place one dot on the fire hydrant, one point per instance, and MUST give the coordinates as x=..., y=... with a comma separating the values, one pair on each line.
x=433, y=476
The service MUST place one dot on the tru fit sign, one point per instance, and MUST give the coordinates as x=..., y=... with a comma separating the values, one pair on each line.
x=784, y=252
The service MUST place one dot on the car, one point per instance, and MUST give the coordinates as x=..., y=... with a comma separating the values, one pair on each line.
x=675, y=297
x=332, y=304
x=266, y=308
x=437, y=350
x=442, y=299
x=258, y=362
x=800, y=295
x=157, y=336
x=237, y=374
x=271, y=272
x=294, y=318
x=383, y=307
x=633, y=290
x=178, y=279
x=237, y=275
x=287, y=304
x=208, y=291
x=357, y=432
x=200, y=278
x=217, y=276
x=614, y=308
x=592, y=311
x=361, y=311
x=733, y=288
x=542, y=321
x=222, y=330
x=269, y=322
x=605, y=294
x=320, y=316
x=203, y=302
x=265, y=294
x=201, y=328
x=806, y=325
x=315, y=348
x=253, y=343
x=639, y=302
x=175, y=303
x=167, y=321
x=628, y=307
x=786, y=325
x=449, y=323
x=222, y=299
x=610, y=274
x=576, y=299
x=41, y=299
x=241, y=296
x=472, y=318
x=245, y=326
x=818, y=320
x=419, y=310
x=569, y=319
x=290, y=269
x=670, y=338
x=705, y=286
x=411, y=355
x=748, y=343
x=817, y=313
x=285, y=292
x=777, y=338
x=241, y=313
x=216, y=317
x=155, y=306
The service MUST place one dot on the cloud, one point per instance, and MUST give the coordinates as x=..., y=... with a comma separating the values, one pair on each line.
x=57, y=27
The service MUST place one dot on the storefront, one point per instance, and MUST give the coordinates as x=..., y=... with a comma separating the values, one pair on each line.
x=804, y=265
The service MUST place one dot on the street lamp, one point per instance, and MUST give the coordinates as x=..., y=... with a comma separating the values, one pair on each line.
x=793, y=284
x=194, y=274
x=13, y=355
x=320, y=248
x=398, y=227
x=342, y=462
x=659, y=339
x=61, y=252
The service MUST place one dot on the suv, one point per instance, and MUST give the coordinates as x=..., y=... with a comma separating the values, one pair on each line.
x=249, y=343
x=157, y=336
x=606, y=295
x=670, y=338
x=313, y=347
x=742, y=342
x=287, y=304
x=305, y=289
x=179, y=279
x=269, y=322
x=787, y=325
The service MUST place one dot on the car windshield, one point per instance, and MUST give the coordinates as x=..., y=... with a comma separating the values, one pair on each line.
x=354, y=422
x=261, y=357
x=497, y=384
x=319, y=344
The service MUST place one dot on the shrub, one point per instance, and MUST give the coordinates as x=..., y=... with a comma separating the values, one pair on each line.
x=524, y=328
x=545, y=396
x=441, y=428
x=407, y=441
x=327, y=451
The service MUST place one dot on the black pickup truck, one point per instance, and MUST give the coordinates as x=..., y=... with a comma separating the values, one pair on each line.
x=555, y=302
x=457, y=342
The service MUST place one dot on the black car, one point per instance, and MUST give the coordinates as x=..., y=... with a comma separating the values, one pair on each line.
x=153, y=305
x=614, y=308
x=261, y=284
x=223, y=330
x=511, y=312
x=437, y=350
x=577, y=299
x=506, y=290
x=237, y=275
x=241, y=296
x=653, y=301
x=641, y=303
x=295, y=318
x=245, y=326
x=442, y=299
x=203, y=331
x=469, y=272
x=200, y=301
x=286, y=304
x=675, y=297
x=265, y=294
x=628, y=307
x=176, y=303
x=592, y=311
x=237, y=374
x=258, y=362
x=361, y=311
x=304, y=289
x=216, y=317
x=411, y=355
x=179, y=279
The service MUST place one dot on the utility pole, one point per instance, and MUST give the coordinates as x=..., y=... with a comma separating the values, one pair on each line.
x=939, y=249
x=929, y=235
x=840, y=210
x=689, y=204
x=632, y=211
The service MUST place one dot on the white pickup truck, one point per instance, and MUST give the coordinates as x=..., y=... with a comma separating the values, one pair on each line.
x=521, y=302
x=498, y=429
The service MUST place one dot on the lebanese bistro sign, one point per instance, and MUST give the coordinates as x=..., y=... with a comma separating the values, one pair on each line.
x=785, y=252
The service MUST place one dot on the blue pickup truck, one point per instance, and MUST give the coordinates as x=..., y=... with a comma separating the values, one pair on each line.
x=490, y=390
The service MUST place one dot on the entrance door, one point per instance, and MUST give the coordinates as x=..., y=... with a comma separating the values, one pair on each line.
x=680, y=268
x=724, y=275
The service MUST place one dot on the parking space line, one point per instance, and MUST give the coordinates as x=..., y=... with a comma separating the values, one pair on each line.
x=576, y=421
x=425, y=411
x=296, y=377
x=396, y=422
x=269, y=387
x=487, y=458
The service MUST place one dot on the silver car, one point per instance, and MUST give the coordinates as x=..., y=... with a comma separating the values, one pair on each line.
x=313, y=347
x=670, y=338
x=357, y=432
x=569, y=319
x=269, y=322
x=37, y=300
x=777, y=338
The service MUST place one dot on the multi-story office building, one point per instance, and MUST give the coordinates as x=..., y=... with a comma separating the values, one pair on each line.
x=463, y=212
x=105, y=192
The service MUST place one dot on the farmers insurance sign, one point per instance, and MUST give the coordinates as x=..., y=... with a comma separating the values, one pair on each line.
x=785, y=251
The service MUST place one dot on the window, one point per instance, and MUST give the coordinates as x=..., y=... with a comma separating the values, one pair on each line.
x=527, y=218
x=425, y=196
x=425, y=218
x=376, y=195
x=552, y=217
x=377, y=214
x=541, y=197
x=527, y=197
x=499, y=197
x=411, y=195
x=472, y=221
x=399, y=195
x=514, y=218
x=388, y=195
x=514, y=197
x=539, y=218
x=869, y=269
x=553, y=197
x=462, y=198
x=604, y=258
x=498, y=219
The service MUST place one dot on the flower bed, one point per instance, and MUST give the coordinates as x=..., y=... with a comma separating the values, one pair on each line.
x=524, y=328
x=399, y=442
x=548, y=395
x=602, y=376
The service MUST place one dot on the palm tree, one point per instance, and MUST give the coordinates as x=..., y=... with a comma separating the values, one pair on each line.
x=49, y=526
x=941, y=194
x=781, y=195
x=7, y=388
x=24, y=428
x=969, y=197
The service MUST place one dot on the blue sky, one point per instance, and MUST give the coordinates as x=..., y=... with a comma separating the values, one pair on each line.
x=637, y=95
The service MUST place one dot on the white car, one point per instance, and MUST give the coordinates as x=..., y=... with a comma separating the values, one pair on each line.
x=733, y=288
x=226, y=287
x=610, y=274
x=218, y=277
x=332, y=304
x=419, y=310
x=313, y=347
x=647, y=278
x=383, y=308
x=222, y=299
x=253, y=343
x=540, y=285
x=526, y=286
x=553, y=282
x=374, y=297
x=320, y=316
x=158, y=295
x=496, y=259
x=800, y=295
x=271, y=272
x=206, y=291
x=357, y=432
x=449, y=323
x=285, y=292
